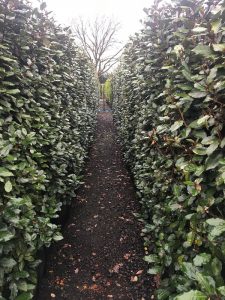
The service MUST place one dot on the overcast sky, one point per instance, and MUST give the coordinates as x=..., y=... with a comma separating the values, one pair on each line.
x=127, y=12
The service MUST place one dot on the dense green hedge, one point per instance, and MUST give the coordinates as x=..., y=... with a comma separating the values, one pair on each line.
x=48, y=96
x=168, y=96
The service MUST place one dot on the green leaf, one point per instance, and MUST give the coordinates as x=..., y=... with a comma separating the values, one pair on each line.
x=8, y=186
x=197, y=94
x=218, y=227
x=192, y=295
x=212, y=75
x=21, y=274
x=163, y=294
x=222, y=143
x=208, y=140
x=151, y=258
x=215, y=222
x=202, y=259
x=189, y=270
x=200, y=150
x=221, y=290
x=13, y=91
x=5, y=173
x=7, y=59
x=190, y=238
x=184, y=87
x=7, y=262
x=155, y=270
x=199, y=29
x=5, y=150
x=203, y=50
x=202, y=120
x=5, y=235
x=216, y=266
x=212, y=147
x=22, y=286
x=24, y=296
x=187, y=75
x=215, y=26
x=176, y=125
x=57, y=237
x=199, y=122
x=219, y=86
x=213, y=161
x=206, y=283
x=219, y=47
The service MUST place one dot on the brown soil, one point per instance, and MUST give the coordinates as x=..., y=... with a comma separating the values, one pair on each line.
x=101, y=256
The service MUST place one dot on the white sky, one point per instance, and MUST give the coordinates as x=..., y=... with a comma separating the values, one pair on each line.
x=127, y=12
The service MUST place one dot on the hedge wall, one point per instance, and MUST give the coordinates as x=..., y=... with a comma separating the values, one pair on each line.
x=48, y=97
x=168, y=99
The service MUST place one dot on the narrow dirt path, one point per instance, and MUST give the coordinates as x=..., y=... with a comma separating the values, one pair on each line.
x=101, y=254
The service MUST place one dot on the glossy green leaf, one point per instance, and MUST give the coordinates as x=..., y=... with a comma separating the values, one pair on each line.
x=24, y=296
x=5, y=235
x=176, y=125
x=202, y=259
x=7, y=262
x=206, y=283
x=215, y=222
x=197, y=94
x=151, y=258
x=5, y=173
x=189, y=270
x=8, y=186
x=203, y=50
x=192, y=295
x=219, y=47
x=199, y=29
x=215, y=25
x=221, y=290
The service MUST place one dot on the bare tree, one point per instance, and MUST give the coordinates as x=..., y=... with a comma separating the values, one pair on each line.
x=99, y=40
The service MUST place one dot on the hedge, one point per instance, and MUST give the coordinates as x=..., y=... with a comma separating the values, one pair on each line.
x=48, y=102
x=168, y=101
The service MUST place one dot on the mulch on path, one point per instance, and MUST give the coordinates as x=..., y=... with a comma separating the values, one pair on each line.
x=101, y=255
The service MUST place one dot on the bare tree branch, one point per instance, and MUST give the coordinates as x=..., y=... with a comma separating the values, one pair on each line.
x=99, y=40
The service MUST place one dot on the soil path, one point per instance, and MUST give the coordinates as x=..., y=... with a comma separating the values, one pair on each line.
x=101, y=254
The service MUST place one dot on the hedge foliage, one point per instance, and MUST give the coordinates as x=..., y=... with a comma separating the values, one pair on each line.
x=168, y=99
x=47, y=106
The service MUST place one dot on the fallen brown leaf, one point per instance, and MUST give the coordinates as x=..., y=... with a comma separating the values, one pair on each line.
x=157, y=280
x=127, y=255
x=116, y=268
x=66, y=246
x=134, y=279
x=94, y=287
x=139, y=272
x=59, y=281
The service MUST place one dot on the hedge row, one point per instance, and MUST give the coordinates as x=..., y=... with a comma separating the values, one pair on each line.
x=168, y=99
x=48, y=97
